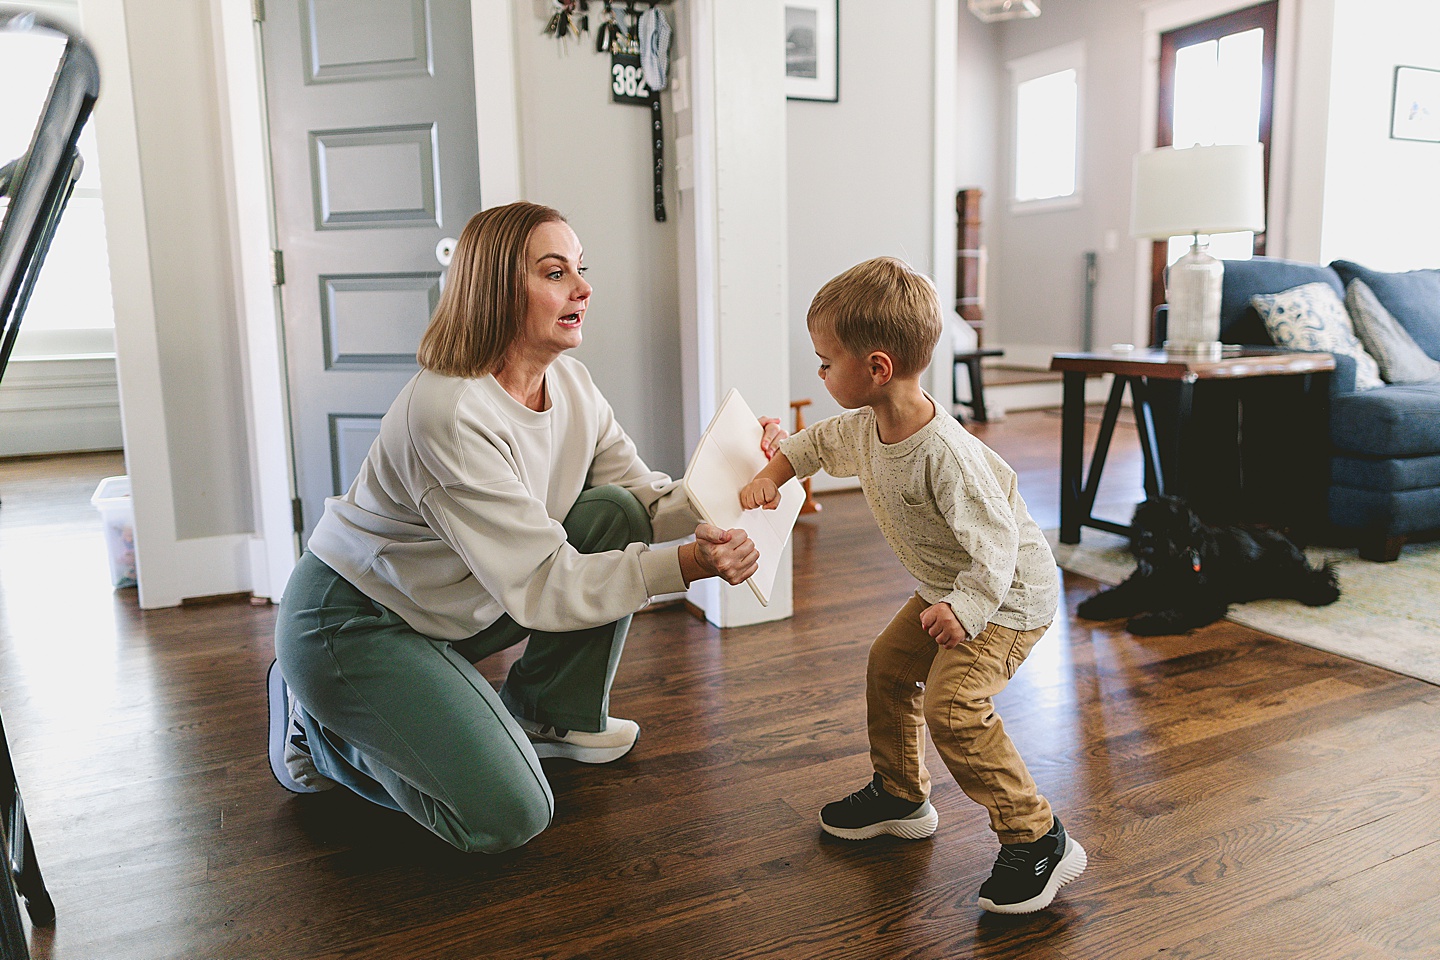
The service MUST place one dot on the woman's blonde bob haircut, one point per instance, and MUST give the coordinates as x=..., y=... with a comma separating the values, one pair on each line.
x=482, y=308
x=881, y=304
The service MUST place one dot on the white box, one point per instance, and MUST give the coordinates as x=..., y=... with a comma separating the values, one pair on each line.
x=112, y=499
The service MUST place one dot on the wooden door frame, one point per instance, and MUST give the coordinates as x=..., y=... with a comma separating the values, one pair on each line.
x=1264, y=16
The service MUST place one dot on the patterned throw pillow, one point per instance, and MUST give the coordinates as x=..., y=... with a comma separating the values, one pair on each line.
x=1311, y=317
x=1400, y=358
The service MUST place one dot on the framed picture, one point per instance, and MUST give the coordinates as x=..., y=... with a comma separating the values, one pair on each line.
x=812, y=50
x=1415, y=114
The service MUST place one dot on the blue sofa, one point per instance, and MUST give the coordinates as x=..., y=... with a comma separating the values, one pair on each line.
x=1384, y=483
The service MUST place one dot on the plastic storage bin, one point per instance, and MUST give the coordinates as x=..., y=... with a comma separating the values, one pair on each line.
x=112, y=499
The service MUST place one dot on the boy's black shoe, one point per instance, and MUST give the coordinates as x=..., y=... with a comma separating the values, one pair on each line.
x=870, y=811
x=1027, y=875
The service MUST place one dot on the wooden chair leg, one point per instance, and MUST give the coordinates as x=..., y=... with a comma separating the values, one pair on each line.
x=811, y=505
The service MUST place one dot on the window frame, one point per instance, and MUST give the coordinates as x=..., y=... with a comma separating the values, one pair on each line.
x=1068, y=56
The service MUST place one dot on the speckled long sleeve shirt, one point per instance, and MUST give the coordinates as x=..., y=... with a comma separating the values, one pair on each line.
x=950, y=508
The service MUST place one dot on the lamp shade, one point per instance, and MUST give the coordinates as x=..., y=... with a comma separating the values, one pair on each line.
x=1215, y=189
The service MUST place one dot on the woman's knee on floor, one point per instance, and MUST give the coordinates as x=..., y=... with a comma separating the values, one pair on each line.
x=501, y=820
x=607, y=518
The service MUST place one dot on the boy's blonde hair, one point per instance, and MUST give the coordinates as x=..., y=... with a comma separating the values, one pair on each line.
x=881, y=304
x=482, y=308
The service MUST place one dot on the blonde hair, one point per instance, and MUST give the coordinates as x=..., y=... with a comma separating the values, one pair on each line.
x=482, y=308
x=882, y=304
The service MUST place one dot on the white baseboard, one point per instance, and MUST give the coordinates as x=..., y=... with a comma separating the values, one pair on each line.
x=59, y=405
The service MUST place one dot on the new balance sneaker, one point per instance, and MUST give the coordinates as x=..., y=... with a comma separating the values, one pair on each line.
x=1027, y=875
x=290, y=758
x=871, y=811
x=612, y=743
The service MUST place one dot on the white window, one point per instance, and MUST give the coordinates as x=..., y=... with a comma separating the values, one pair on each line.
x=1045, y=89
x=70, y=311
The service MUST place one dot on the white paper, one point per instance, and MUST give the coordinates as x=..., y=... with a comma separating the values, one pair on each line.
x=727, y=458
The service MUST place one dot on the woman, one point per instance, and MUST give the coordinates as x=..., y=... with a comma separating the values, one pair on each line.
x=501, y=500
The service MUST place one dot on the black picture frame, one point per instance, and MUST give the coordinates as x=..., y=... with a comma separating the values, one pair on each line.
x=1415, y=105
x=812, y=50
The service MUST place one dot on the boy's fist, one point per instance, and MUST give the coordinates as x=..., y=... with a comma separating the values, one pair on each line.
x=760, y=492
x=940, y=622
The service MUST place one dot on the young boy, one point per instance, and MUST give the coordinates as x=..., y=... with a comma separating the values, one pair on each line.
x=951, y=510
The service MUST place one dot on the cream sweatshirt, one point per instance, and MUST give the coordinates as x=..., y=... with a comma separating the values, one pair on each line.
x=950, y=508
x=455, y=516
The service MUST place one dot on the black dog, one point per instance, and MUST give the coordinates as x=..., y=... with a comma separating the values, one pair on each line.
x=1188, y=573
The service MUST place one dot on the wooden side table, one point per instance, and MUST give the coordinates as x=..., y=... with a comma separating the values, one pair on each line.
x=1139, y=369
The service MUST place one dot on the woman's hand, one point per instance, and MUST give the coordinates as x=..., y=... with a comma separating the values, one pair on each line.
x=728, y=554
x=940, y=622
x=760, y=492
x=770, y=439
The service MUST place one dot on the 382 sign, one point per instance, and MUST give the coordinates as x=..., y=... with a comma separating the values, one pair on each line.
x=627, y=81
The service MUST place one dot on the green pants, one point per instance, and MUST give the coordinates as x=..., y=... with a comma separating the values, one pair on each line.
x=407, y=722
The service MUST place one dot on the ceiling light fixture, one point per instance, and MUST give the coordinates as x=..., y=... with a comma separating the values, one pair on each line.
x=993, y=10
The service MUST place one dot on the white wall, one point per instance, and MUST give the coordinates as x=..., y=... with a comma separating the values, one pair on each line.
x=860, y=170
x=591, y=159
x=1381, y=196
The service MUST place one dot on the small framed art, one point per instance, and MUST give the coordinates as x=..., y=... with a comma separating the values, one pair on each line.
x=812, y=50
x=1415, y=112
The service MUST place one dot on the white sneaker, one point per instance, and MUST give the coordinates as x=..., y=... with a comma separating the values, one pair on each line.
x=290, y=758
x=612, y=743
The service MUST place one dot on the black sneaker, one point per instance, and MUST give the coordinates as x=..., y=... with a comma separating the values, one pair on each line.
x=870, y=811
x=1027, y=875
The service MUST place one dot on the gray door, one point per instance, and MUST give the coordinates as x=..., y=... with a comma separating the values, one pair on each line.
x=375, y=160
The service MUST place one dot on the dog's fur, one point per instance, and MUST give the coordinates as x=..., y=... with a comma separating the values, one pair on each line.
x=1188, y=573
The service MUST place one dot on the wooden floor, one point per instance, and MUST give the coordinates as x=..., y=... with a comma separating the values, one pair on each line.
x=1240, y=796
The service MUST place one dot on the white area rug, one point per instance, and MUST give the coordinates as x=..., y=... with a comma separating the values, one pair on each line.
x=1388, y=614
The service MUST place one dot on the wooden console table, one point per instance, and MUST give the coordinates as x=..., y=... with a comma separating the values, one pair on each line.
x=1138, y=369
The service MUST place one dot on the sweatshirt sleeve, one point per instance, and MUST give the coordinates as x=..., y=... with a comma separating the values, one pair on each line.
x=523, y=559
x=824, y=445
x=617, y=461
x=988, y=536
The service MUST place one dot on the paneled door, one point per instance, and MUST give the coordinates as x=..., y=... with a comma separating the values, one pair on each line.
x=374, y=161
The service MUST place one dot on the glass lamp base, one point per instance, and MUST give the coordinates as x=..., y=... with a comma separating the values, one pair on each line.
x=1192, y=291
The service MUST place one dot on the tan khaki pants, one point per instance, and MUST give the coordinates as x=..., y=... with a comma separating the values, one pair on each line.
x=955, y=701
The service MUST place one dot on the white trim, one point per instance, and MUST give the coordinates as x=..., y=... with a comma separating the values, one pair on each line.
x=59, y=404
x=242, y=94
x=943, y=189
x=497, y=109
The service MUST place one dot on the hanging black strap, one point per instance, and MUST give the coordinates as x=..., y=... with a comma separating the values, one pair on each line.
x=657, y=141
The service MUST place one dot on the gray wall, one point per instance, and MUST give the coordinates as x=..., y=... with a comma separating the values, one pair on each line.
x=183, y=170
x=1036, y=293
x=590, y=158
x=860, y=170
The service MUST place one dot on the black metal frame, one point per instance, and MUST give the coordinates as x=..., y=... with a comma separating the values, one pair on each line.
x=38, y=186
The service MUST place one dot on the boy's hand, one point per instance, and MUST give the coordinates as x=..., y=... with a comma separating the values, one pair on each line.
x=760, y=492
x=940, y=622
x=727, y=554
x=770, y=439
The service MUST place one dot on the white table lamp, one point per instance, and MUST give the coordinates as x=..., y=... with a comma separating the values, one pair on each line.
x=1197, y=190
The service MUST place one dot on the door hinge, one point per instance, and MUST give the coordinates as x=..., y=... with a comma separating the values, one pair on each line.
x=297, y=511
x=277, y=268
x=257, y=9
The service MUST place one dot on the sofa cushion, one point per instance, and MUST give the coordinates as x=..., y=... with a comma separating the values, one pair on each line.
x=1389, y=473
x=1413, y=298
x=1311, y=317
x=1239, y=323
x=1398, y=355
x=1401, y=420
